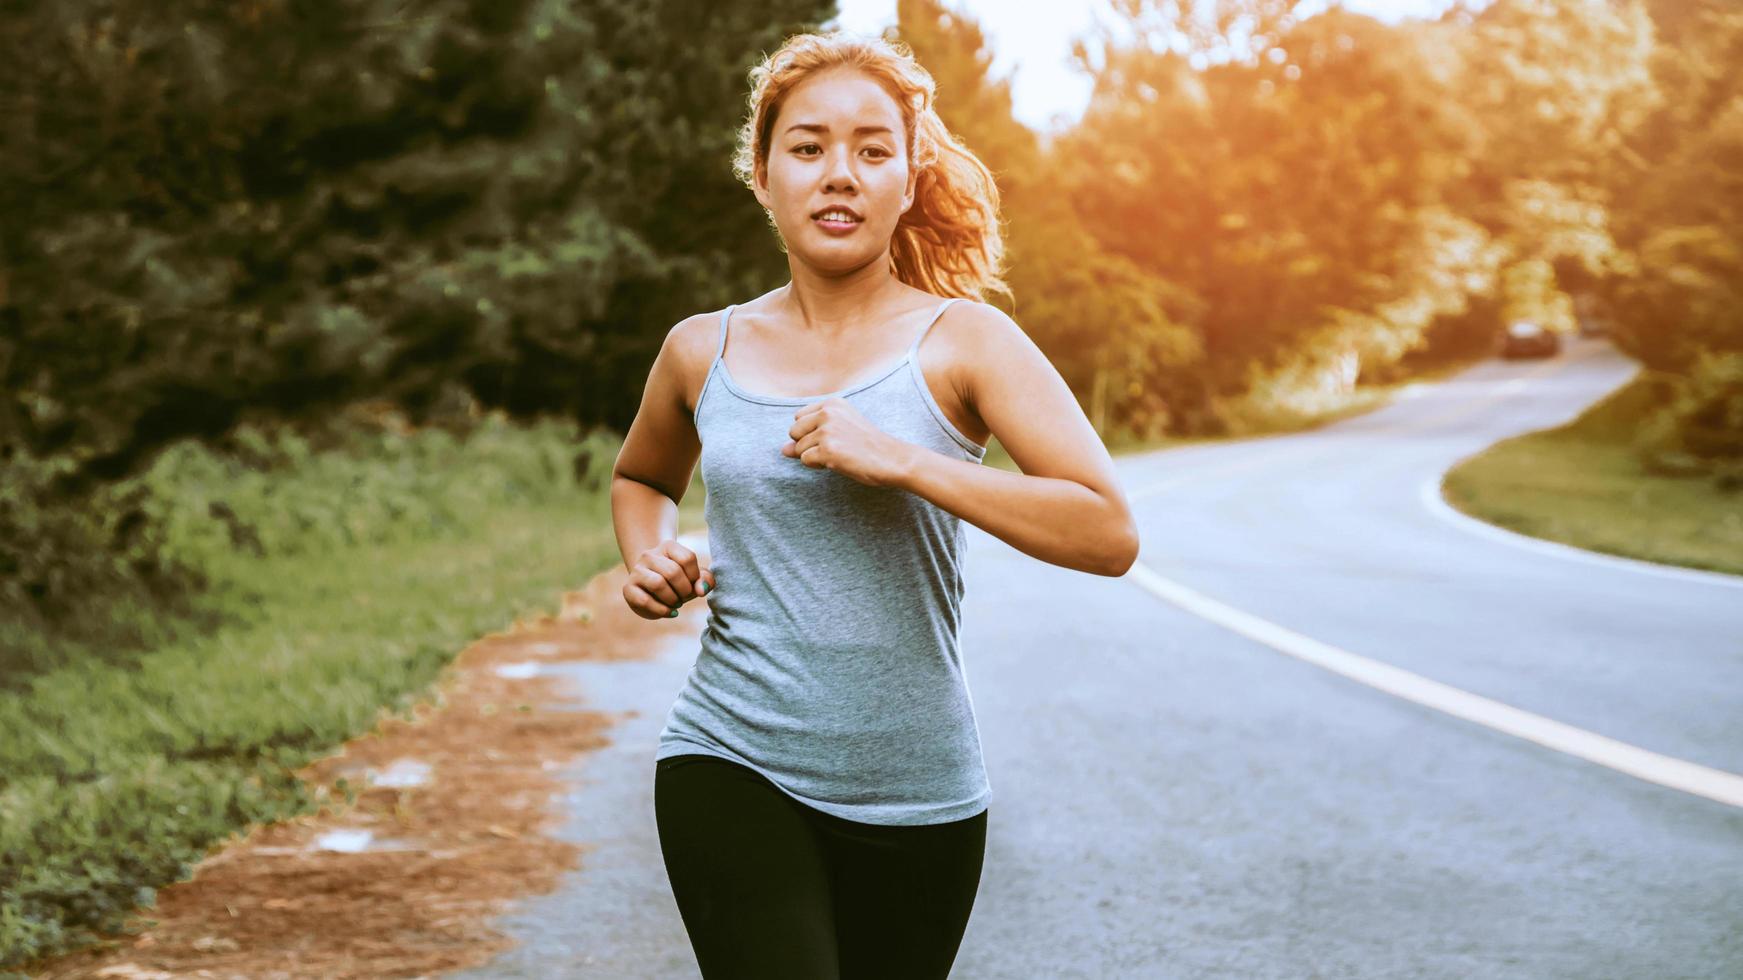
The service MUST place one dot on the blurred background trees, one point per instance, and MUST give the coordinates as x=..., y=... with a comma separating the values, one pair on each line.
x=1677, y=296
x=237, y=217
x=257, y=213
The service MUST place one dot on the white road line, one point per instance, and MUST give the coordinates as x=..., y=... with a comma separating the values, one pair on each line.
x=1431, y=498
x=1713, y=784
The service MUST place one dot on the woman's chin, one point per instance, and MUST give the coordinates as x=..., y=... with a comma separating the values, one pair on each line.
x=837, y=256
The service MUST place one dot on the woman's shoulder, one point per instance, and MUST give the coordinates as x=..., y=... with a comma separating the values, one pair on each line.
x=687, y=353
x=972, y=324
x=972, y=340
x=694, y=338
x=979, y=310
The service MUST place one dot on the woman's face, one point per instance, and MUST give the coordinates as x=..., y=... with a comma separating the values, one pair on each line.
x=837, y=142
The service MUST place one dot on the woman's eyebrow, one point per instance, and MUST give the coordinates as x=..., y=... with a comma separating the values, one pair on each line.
x=824, y=128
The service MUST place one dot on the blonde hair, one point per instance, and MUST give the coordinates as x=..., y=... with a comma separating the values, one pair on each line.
x=949, y=242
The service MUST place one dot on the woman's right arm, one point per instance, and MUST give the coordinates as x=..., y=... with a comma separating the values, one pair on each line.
x=650, y=476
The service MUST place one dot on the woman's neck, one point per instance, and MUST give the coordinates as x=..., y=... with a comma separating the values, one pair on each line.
x=829, y=304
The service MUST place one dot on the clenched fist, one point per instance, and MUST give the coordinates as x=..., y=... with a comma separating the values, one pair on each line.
x=832, y=434
x=663, y=578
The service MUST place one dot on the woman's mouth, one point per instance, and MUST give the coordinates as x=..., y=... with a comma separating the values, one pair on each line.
x=836, y=222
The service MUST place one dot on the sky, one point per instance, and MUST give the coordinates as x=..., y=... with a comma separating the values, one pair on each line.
x=1031, y=42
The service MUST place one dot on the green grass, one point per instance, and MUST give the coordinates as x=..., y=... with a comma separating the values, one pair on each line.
x=118, y=774
x=1582, y=484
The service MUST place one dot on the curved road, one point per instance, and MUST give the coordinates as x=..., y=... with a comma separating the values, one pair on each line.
x=1180, y=792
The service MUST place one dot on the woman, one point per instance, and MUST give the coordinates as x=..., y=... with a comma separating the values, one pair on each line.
x=819, y=789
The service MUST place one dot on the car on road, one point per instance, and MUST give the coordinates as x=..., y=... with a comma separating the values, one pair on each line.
x=1524, y=338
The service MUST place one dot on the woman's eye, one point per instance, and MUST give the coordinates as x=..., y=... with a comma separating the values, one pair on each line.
x=881, y=152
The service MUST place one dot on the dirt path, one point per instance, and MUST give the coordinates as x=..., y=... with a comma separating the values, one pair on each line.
x=452, y=819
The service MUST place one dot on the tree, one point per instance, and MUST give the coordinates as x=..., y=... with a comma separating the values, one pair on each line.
x=228, y=210
x=1109, y=327
x=1677, y=290
x=1290, y=173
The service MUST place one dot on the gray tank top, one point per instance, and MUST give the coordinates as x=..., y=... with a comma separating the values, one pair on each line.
x=829, y=662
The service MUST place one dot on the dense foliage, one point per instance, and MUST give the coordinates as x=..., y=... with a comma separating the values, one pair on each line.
x=225, y=212
x=1261, y=205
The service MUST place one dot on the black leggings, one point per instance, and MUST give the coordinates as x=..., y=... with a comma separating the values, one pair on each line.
x=773, y=889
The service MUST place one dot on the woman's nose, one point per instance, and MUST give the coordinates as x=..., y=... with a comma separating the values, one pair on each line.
x=840, y=171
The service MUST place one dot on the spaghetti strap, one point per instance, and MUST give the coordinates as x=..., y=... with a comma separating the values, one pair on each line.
x=713, y=366
x=915, y=346
x=720, y=349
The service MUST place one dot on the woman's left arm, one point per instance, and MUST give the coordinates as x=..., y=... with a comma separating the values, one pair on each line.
x=1066, y=507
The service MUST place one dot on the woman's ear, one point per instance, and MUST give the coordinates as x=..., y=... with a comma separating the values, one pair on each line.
x=760, y=180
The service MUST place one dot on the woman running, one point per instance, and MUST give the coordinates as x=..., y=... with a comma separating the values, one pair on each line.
x=819, y=789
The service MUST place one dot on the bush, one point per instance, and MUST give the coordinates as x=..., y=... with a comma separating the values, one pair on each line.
x=54, y=553
x=1698, y=426
x=118, y=570
x=361, y=480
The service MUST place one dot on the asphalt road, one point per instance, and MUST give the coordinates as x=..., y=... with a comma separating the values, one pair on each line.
x=1180, y=789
